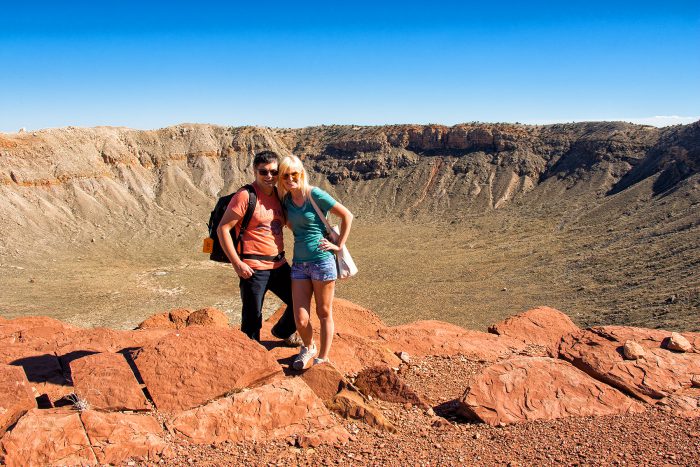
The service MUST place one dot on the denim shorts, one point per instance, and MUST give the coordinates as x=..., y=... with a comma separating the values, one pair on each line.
x=324, y=270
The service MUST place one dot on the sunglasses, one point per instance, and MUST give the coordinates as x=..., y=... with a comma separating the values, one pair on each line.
x=265, y=172
x=291, y=175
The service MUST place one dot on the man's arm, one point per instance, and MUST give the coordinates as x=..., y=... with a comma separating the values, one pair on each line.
x=227, y=223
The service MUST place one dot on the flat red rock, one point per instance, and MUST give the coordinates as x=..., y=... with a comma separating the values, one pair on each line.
x=116, y=437
x=599, y=352
x=426, y=338
x=540, y=326
x=324, y=379
x=539, y=388
x=198, y=364
x=275, y=411
x=106, y=382
x=15, y=396
x=48, y=437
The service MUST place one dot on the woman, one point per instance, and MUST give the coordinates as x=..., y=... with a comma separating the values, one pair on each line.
x=313, y=267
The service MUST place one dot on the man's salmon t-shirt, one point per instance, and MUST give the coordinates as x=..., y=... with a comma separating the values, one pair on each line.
x=264, y=233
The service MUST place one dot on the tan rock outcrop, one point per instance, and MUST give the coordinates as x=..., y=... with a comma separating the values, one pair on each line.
x=543, y=326
x=47, y=437
x=632, y=350
x=274, y=411
x=678, y=343
x=324, y=379
x=539, y=388
x=383, y=383
x=116, y=437
x=16, y=396
x=212, y=317
x=198, y=364
x=424, y=338
x=598, y=352
x=350, y=404
x=106, y=382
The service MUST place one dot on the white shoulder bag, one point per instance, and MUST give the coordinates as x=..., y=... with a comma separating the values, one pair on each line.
x=343, y=260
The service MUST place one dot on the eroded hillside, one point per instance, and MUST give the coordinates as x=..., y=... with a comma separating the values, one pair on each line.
x=462, y=223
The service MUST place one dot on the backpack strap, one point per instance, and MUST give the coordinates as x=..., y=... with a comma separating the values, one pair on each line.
x=252, y=201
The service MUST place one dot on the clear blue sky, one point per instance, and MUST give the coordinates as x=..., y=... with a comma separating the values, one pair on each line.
x=294, y=64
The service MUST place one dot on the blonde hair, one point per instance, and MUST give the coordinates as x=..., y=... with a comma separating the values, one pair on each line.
x=292, y=164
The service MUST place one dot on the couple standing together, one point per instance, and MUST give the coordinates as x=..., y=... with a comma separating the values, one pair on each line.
x=284, y=197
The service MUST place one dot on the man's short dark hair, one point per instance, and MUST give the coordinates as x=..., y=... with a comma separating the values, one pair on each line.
x=265, y=157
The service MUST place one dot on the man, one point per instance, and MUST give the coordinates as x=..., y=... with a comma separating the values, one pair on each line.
x=260, y=263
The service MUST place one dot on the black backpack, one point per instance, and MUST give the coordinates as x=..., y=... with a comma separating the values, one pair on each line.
x=217, y=253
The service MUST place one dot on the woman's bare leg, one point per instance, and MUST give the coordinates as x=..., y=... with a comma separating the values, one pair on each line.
x=301, y=297
x=324, y=291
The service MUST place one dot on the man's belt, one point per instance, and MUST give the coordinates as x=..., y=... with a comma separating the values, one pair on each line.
x=279, y=257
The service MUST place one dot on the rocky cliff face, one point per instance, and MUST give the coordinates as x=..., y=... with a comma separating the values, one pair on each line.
x=120, y=176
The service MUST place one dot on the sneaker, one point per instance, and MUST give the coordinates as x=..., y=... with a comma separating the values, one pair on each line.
x=306, y=354
x=318, y=361
x=294, y=340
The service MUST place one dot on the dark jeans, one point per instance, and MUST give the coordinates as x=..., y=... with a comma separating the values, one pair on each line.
x=253, y=289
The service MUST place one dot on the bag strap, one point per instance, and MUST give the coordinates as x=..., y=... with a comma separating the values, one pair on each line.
x=320, y=214
x=252, y=201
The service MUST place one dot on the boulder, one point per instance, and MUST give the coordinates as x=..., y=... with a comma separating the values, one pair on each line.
x=599, y=352
x=426, y=338
x=685, y=403
x=116, y=437
x=47, y=437
x=198, y=364
x=324, y=380
x=678, y=343
x=350, y=404
x=106, y=382
x=16, y=396
x=277, y=410
x=542, y=326
x=539, y=388
x=383, y=383
x=633, y=350
x=173, y=319
x=212, y=317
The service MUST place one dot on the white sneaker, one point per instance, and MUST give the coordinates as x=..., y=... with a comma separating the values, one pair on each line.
x=318, y=361
x=306, y=354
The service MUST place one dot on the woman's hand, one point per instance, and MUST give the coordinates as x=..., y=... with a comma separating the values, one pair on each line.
x=326, y=245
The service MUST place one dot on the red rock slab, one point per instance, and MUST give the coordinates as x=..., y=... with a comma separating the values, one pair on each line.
x=658, y=374
x=98, y=340
x=47, y=437
x=16, y=396
x=426, y=338
x=198, y=364
x=349, y=353
x=648, y=338
x=383, y=383
x=540, y=326
x=116, y=437
x=348, y=318
x=275, y=411
x=39, y=331
x=685, y=403
x=324, y=379
x=539, y=388
x=106, y=382
x=43, y=370
x=208, y=317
